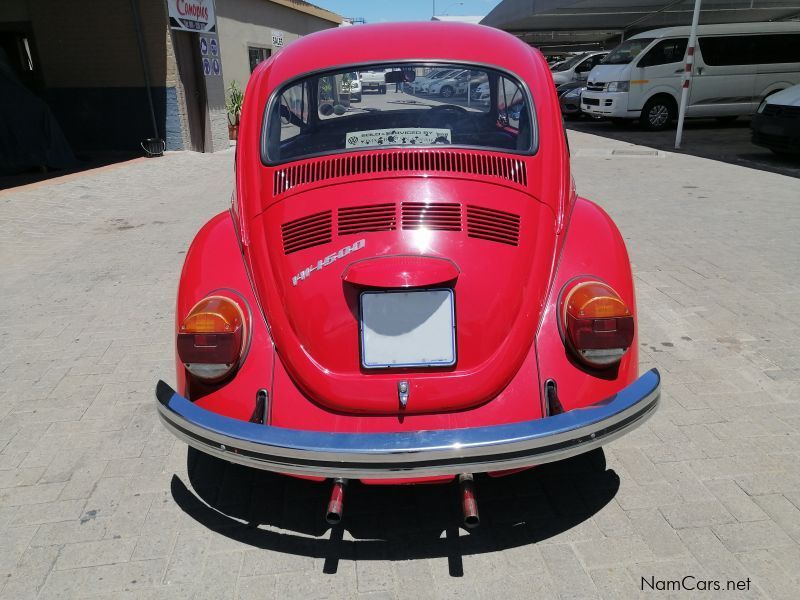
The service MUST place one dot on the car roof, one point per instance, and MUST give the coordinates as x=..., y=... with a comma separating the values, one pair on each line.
x=721, y=29
x=389, y=42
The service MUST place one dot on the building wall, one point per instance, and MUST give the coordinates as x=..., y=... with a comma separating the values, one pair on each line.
x=13, y=10
x=243, y=23
x=92, y=73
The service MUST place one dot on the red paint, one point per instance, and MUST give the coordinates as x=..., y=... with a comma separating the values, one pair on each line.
x=401, y=271
x=191, y=9
x=505, y=295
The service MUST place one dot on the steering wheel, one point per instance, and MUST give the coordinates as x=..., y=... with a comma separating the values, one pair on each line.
x=459, y=119
x=451, y=107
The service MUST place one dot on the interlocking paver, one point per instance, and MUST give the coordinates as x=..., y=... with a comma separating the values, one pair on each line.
x=95, y=497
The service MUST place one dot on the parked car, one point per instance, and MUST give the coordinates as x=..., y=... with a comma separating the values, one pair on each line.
x=421, y=83
x=452, y=85
x=355, y=87
x=576, y=68
x=373, y=80
x=776, y=124
x=408, y=293
x=735, y=67
x=569, y=98
x=480, y=92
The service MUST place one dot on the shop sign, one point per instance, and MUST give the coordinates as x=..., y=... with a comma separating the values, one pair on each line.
x=192, y=15
x=277, y=38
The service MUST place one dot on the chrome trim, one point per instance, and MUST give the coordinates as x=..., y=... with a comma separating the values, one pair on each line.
x=418, y=453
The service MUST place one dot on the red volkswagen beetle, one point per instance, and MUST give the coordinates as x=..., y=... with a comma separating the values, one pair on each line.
x=406, y=289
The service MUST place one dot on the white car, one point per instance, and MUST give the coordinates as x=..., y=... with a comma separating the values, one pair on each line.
x=576, y=68
x=423, y=84
x=355, y=87
x=480, y=93
x=373, y=80
x=453, y=85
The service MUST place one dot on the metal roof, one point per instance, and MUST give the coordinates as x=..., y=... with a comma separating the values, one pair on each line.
x=561, y=22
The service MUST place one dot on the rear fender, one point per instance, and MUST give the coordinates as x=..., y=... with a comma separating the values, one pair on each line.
x=593, y=247
x=214, y=262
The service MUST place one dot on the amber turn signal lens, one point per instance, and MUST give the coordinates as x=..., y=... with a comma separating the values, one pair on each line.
x=598, y=325
x=211, y=338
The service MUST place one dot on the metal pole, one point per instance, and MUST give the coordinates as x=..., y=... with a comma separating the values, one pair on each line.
x=687, y=72
x=137, y=26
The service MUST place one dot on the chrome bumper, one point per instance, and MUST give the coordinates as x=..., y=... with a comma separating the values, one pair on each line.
x=410, y=454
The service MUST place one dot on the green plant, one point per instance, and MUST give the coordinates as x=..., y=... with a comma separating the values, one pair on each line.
x=233, y=103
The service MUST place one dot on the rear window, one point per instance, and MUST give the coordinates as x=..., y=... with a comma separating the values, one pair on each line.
x=319, y=114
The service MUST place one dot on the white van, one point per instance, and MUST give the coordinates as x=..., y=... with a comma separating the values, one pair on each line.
x=735, y=67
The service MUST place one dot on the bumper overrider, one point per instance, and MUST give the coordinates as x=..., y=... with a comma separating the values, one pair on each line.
x=405, y=454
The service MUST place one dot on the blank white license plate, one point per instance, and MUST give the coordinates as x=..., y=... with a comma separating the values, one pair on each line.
x=408, y=329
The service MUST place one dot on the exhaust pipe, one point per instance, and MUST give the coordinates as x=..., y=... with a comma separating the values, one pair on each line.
x=336, y=504
x=469, y=503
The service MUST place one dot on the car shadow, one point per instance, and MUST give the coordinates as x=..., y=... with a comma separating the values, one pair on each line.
x=707, y=138
x=285, y=514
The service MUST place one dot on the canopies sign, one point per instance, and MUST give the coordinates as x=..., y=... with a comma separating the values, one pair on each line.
x=192, y=15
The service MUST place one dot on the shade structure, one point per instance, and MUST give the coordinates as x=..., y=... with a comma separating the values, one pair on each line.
x=576, y=22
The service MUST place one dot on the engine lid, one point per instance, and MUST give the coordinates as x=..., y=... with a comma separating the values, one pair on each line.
x=492, y=245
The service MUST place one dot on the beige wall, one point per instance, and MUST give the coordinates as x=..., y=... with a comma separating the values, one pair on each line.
x=243, y=23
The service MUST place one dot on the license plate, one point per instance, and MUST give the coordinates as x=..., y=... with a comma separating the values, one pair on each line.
x=408, y=329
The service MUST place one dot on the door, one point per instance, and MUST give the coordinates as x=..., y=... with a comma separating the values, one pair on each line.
x=660, y=70
x=190, y=71
x=723, y=80
x=583, y=69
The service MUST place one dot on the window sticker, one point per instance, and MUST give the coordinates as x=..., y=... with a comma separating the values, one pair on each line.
x=408, y=136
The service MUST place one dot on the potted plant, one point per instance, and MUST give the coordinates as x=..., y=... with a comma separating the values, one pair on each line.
x=233, y=104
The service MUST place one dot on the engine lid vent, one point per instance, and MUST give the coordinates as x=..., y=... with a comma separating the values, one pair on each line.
x=493, y=225
x=306, y=232
x=415, y=161
x=441, y=216
x=373, y=217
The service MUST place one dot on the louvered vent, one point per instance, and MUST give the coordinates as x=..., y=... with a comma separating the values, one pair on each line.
x=493, y=225
x=432, y=161
x=442, y=216
x=306, y=232
x=374, y=217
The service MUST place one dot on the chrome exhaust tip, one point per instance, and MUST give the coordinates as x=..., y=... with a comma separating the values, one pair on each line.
x=469, y=502
x=333, y=516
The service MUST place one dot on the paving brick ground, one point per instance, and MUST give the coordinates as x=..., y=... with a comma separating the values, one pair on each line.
x=96, y=499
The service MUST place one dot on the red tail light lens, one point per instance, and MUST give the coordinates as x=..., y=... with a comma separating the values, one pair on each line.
x=597, y=324
x=211, y=338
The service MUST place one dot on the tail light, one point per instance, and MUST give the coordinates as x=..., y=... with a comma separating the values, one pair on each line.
x=212, y=337
x=597, y=324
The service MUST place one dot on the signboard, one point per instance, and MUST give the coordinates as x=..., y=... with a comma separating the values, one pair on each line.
x=277, y=38
x=192, y=15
